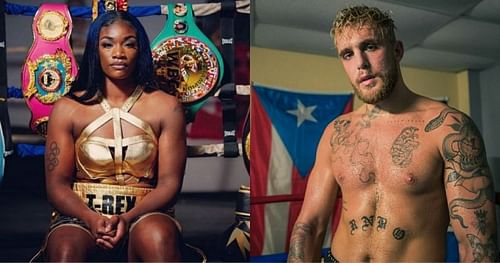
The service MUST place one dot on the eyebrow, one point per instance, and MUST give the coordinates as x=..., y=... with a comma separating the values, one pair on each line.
x=111, y=38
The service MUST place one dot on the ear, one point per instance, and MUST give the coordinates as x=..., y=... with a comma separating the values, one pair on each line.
x=399, y=50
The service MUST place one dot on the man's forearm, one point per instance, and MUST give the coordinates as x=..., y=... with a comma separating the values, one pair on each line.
x=303, y=244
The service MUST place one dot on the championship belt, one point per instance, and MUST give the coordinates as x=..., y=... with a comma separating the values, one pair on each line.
x=109, y=199
x=109, y=6
x=187, y=64
x=50, y=66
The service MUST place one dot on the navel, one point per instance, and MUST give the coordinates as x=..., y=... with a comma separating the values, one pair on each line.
x=367, y=177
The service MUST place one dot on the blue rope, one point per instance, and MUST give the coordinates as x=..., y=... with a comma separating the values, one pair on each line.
x=85, y=12
x=14, y=92
x=26, y=150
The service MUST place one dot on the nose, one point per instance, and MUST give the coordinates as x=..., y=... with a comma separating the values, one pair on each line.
x=362, y=62
x=118, y=52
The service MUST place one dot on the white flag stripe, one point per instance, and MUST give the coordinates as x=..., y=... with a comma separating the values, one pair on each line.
x=279, y=178
x=276, y=227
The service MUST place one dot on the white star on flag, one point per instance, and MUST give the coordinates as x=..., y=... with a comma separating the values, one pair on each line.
x=303, y=113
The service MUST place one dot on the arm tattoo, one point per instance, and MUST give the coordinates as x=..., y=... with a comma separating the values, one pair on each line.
x=482, y=250
x=465, y=153
x=297, y=242
x=52, y=158
x=481, y=220
x=403, y=146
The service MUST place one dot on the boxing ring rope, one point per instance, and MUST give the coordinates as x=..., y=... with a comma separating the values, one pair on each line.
x=242, y=6
x=204, y=9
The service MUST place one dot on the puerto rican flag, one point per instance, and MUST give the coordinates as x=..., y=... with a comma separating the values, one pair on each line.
x=285, y=130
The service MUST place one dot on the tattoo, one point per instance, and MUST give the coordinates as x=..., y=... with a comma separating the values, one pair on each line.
x=362, y=160
x=341, y=133
x=381, y=223
x=467, y=166
x=368, y=117
x=52, y=156
x=482, y=250
x=398, y=233
x=367, y=222
x=297, y=242
x=438, y=121
x=403, y=146
x=481, y=220
x=353, y=225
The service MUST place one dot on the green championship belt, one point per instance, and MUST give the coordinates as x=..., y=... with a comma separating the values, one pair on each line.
x=187, y=64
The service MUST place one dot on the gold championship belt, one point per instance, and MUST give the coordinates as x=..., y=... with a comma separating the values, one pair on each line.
x=110, y=199
x=187, y=64
x=50, y=66
x=109, y=6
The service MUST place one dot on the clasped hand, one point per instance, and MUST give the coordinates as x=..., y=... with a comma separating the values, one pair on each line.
x=108, y=231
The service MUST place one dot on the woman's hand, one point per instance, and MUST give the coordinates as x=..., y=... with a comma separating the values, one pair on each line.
x=100, y=226
x=116, y=228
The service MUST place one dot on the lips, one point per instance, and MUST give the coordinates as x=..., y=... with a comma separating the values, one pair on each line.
x=366, y=79
x=119, y=66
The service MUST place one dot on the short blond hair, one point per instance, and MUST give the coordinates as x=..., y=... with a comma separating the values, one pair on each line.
x=359, y=16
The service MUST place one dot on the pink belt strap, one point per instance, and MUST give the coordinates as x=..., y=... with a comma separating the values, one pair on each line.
x=50, y=66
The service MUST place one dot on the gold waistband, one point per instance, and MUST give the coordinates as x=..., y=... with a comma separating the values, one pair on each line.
x=110, y=199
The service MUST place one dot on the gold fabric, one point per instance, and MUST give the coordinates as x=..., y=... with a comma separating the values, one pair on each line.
x=117, y=160
x=110, y=199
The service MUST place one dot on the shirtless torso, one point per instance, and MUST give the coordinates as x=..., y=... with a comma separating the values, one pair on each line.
x=406, y=165
x=403, y=176
x=392, y=186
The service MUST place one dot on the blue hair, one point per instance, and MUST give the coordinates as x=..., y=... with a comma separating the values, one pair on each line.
x=90, y=78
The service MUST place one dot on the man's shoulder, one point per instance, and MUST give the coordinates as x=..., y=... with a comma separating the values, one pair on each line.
x=444, y=116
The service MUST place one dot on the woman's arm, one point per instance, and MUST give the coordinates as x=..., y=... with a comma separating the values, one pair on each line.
x=59, y=168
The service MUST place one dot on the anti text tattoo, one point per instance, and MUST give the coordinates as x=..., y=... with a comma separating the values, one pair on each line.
x=367, y=222
x=297, y=242
x=381, y=223
x=403, y=147
x=353, y=225
x=482, y=250
x=398, y=233
x=467, y=167
x=52, y=158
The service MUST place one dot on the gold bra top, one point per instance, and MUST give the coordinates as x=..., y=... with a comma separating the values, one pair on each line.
x=120, y=160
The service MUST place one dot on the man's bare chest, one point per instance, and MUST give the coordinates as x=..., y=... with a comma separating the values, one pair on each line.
x=396, y=154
